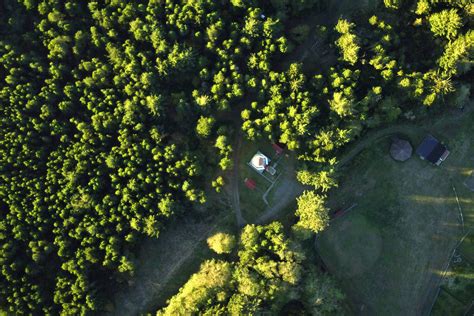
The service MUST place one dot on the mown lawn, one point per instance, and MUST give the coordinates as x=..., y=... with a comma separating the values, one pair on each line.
x=389, y=251
x=251, y=201
x=386, y=249
x=467, y=248
x=446, y=304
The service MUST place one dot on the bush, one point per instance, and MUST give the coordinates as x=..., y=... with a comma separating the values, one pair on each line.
x=222, y=243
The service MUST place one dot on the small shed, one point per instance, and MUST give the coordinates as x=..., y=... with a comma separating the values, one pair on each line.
x=259, y=162
x=401, y=149
x=432, y=150
x=250, y=183
x=278, y=149
x=271, y=170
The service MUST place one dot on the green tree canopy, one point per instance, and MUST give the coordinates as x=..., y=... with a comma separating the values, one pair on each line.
x=348, y=41
x=204, y=126
x=221, y=243
x=445, y=23
x=312, y=213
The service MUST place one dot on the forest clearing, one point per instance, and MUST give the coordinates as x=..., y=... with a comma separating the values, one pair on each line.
x=391, y=250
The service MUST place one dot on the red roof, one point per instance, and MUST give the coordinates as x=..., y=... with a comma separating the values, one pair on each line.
x=277, y=148
x=250, y=183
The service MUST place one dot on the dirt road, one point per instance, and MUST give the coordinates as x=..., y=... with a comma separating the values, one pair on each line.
x=234, y=185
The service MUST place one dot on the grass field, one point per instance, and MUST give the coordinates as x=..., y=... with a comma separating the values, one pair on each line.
x=467, y=248
x=446, y=304
x=390, y=250
x=457, y=288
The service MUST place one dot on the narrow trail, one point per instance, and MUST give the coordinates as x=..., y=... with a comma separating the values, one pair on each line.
x=289, y=187
x=410, y=129
x=171, y=252
x=373, y=137
x=234, y=184
x=287, y=192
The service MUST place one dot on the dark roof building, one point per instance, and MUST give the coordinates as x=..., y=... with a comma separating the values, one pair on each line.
x=432, y=150
x=401, y=149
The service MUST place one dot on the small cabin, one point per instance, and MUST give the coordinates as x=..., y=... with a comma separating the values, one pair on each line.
x=400, y=149
x=277, y=148
x=432, y=150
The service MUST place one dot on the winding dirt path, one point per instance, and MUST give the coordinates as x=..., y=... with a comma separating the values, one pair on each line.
x=410, y=129
x=159, y=262
x=373, y=137
x=234, y=185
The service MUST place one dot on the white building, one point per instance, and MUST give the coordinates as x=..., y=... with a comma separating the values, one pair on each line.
x=259, y=162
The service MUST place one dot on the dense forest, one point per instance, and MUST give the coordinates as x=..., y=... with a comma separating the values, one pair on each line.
x=116, y=117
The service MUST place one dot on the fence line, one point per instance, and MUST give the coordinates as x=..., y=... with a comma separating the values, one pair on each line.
x=459, y=207
x=469, y=308
x=443, y=275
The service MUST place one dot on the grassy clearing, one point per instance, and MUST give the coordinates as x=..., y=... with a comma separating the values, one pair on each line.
x=200, y=252
x=467, y=248
x=459, y=282
x=251, y=201
x=389, y=251
x=447, y=305
x=389, y=237
x=383, y=250
x=366, y=242
x=166, y=263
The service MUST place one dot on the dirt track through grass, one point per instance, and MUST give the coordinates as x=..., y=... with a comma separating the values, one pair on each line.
x=158, y=264
x=234, y=184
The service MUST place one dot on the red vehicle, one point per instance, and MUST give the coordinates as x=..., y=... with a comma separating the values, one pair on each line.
x=337, y=213
x=250, y=183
